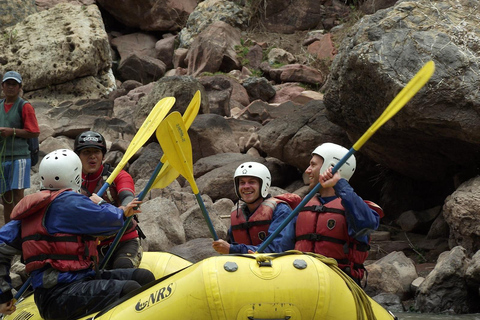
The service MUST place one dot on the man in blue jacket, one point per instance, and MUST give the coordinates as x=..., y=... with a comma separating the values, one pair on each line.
x=55, y=230
x=259, y=215
x=336, y=222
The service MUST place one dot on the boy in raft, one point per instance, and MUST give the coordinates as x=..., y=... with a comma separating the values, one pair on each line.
x=336, y=222
x=91, y=147
x=55, y=230
x=259, y=215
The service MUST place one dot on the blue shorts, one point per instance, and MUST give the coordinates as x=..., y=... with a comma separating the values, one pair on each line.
x=16, y=176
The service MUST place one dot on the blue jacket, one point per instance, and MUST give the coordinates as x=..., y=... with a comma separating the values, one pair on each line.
x=284, y=241
x=361, y=219
x=70, y=213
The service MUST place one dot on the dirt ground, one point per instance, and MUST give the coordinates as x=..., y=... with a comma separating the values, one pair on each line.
x=292, y=43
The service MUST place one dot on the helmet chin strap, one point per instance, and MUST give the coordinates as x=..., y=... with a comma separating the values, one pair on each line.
x=259, y=197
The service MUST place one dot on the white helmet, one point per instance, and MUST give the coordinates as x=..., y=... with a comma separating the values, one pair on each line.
x=332, y=154
x=61, y=169
x=253, y=169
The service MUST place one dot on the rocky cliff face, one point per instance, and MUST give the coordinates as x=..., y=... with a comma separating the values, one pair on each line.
x=270, y=97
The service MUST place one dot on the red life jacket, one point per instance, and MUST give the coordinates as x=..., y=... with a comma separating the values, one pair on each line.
x=111, y=196
x=253, y=230
x=63, y=251
x=323, y=229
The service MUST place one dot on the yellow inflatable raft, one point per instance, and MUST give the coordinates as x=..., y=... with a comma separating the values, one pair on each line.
x=290, y=285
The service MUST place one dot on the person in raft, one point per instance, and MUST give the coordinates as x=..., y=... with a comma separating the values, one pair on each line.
x=55, y=230
x=91, y=147
x=336, y=222
x=259, y=215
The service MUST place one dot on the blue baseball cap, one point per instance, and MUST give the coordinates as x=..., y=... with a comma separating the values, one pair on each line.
x=12, y=75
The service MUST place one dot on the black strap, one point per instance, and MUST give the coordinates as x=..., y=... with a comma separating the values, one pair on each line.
x=356, y=266
x=43, y=257
x=107, y=170
x=319, y=237
x=323, y=209
x=42, y=237
x=362, y=247
x=141, y=234
x=247, y=225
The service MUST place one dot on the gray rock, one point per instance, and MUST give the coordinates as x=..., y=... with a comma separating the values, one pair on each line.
x=59, y=45
x=384, y=52
x=445, y=289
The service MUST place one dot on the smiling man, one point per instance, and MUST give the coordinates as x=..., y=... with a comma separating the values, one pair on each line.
x=17, y=123
x=336, y=222
x=91, y=148
x=259, y=215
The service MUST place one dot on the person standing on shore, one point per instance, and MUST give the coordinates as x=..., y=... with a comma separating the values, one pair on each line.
x=18, y=122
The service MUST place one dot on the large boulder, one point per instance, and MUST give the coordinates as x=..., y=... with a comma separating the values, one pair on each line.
x=292, y=137
x=441, y=124
x=150, y=15
x=52, y=47
x=461, y=214
x=204, y=135
x=445, y=288
x=208, y=12
x=391, y=274
x=214, y=50
x=14, y=11
x=183, y=88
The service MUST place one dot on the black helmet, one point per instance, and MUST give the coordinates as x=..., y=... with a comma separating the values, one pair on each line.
x=90, y=139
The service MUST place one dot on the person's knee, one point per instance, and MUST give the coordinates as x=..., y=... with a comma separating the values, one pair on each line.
x=143, y=276
x=123, y=263
x=129, y=286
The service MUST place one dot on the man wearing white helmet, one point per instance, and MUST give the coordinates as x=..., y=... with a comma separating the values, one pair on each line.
x=55, y=230
x=259, y=216
x=336, y=222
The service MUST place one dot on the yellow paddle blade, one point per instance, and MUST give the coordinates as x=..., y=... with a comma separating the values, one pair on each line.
x=190, y=114
x=168, y=173
x=192, y=110
x=158, y=113
x=407, y=93
x=166, y=176
x=176, y=145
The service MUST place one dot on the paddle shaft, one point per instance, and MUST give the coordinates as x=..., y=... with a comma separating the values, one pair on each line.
x=206, y=216
x=120, y=233
x=24, y=287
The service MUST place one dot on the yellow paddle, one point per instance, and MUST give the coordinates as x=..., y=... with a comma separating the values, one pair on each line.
x=168, y=173
x=144, y=133
x=407, y=93
x=157, y=181
x=176, y=144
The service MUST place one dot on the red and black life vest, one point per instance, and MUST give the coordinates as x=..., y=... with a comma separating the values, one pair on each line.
x=63, y=251
x=323, y=229
x=111, y=196
x=253, y=230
